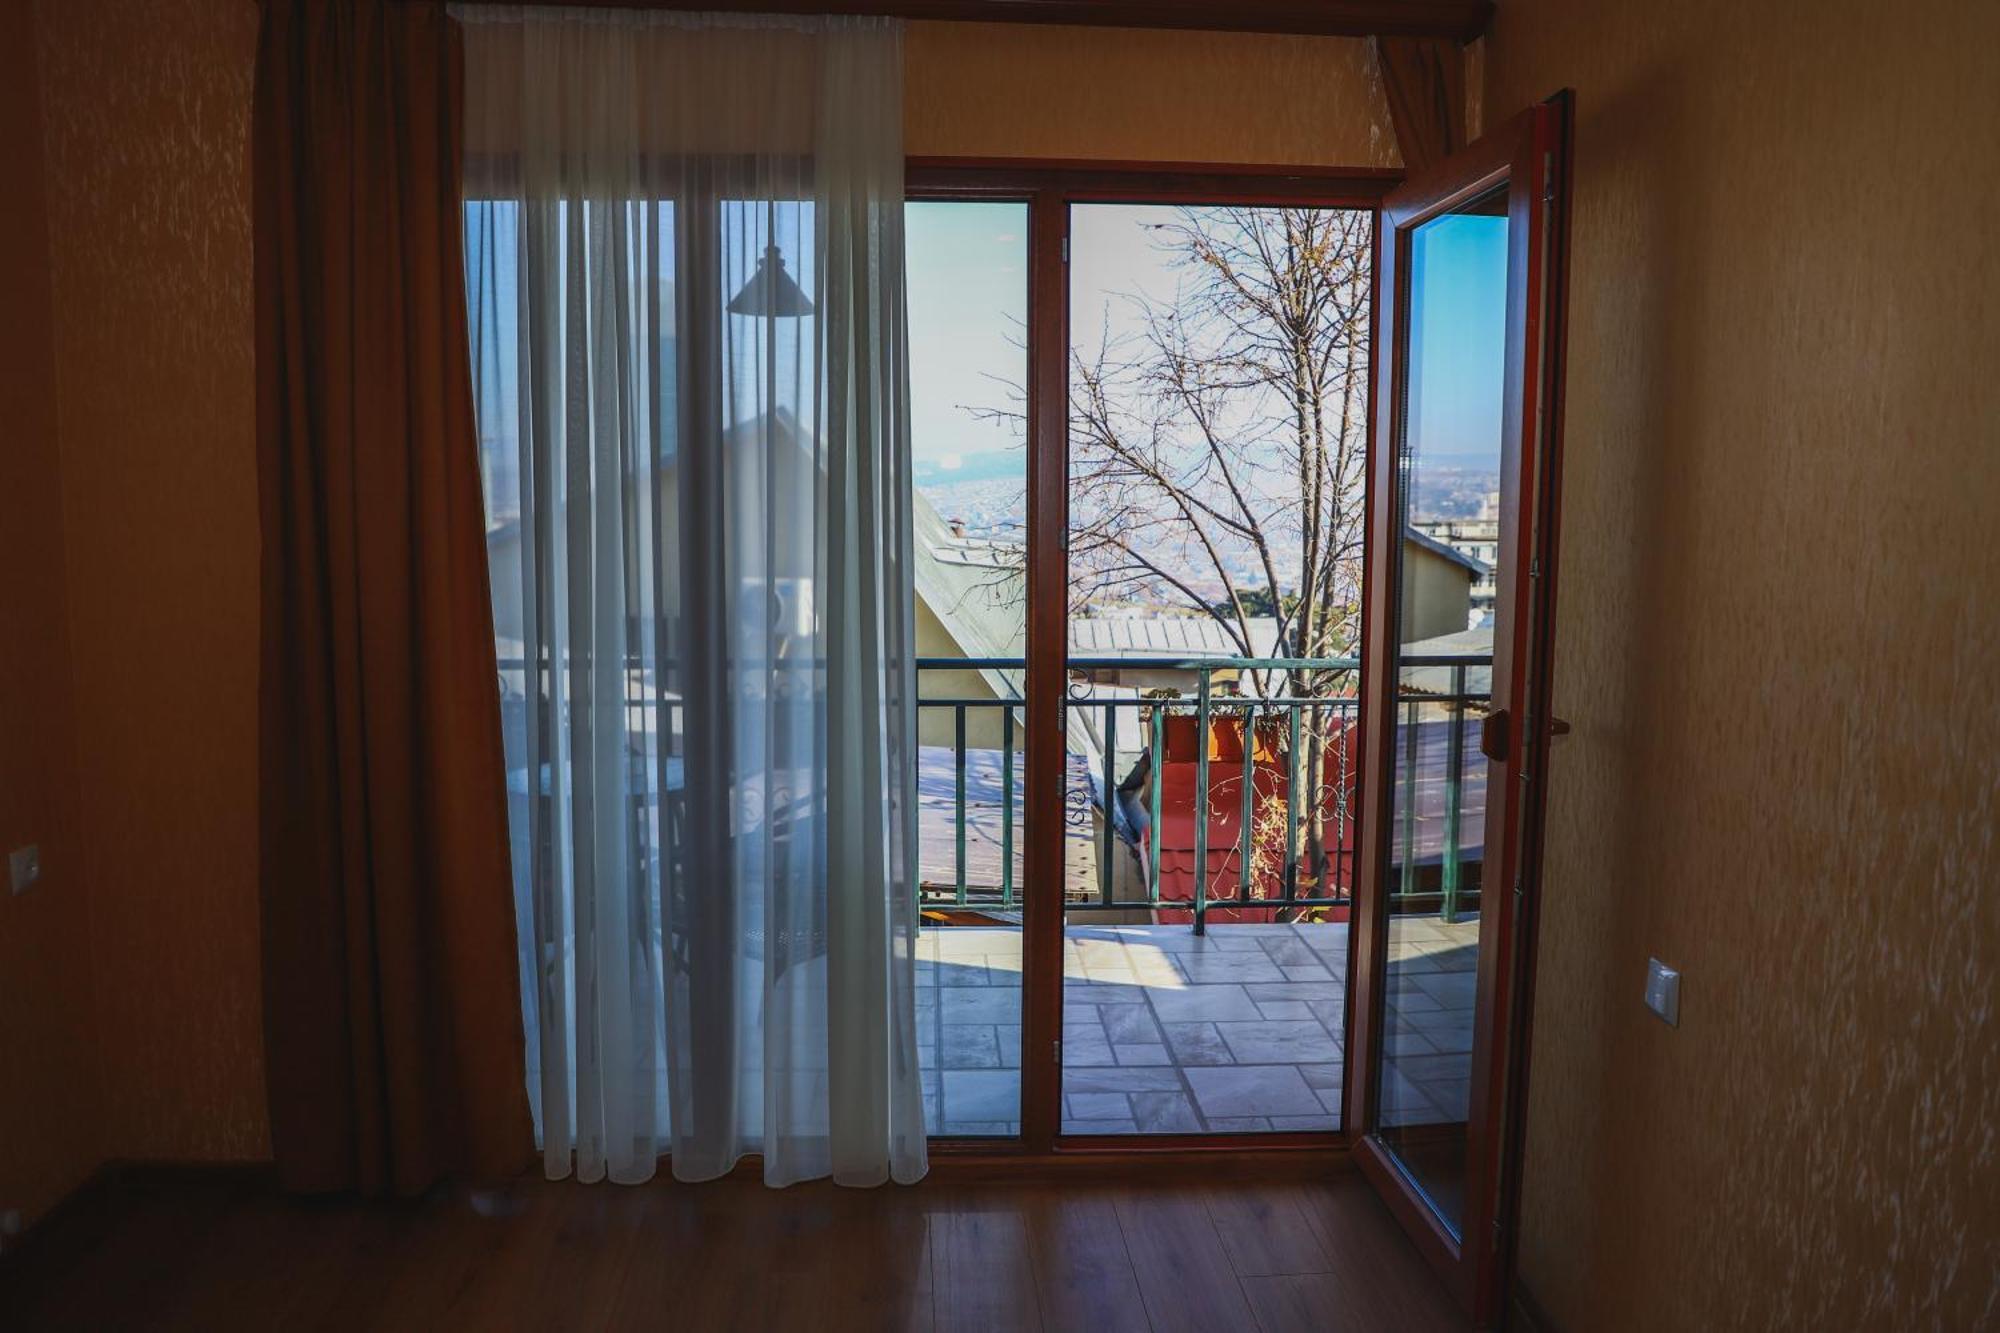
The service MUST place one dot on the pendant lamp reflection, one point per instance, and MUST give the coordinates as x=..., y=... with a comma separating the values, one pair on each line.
x=771, y=291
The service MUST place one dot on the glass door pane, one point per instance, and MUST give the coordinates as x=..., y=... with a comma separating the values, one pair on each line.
x=1451, y=527
x=967, y=282
x=1217, y=454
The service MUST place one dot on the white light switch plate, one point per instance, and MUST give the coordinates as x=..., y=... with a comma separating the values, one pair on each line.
x=24, y=867
x=1663, y=991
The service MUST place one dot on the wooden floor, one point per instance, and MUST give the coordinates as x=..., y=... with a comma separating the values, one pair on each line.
x=732, y=1255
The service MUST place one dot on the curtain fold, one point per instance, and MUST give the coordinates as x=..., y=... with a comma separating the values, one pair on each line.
x=1424, y=79
x=390, y=995
x=685, y=268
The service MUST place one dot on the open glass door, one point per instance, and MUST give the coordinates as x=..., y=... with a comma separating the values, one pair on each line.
x=1462, y=526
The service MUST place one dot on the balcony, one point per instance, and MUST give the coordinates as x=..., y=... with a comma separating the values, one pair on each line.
x=1210, y=1000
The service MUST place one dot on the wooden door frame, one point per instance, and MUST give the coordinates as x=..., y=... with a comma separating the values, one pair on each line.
x=1048, y=187
x=1556, y=134
x=1521, y=156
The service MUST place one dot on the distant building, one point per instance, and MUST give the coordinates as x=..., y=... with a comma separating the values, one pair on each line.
x=1440, y=587
x=1164, y=638
x=1477, y=539
x=970, y=590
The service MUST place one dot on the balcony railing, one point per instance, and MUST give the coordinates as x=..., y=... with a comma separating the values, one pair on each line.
x=1244, y=744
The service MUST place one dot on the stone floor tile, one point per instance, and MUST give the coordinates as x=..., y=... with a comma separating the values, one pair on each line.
x=1099, y=1106
x=1321, y=1123
x=1290, y=951
x=1199, y=1004
x=1197, y=1044
x=1142, y=1055
x=1130, y=1023
x=1247, y=1090
x=1128, y=1078
x=1294, y=990
x=979, y=1004
x=1228, y=967
x=1269, y=1043
x=1087, y=1048
x=1164, y=1113
x=1083, y=992
x=981, y=1094
x=968, y=1046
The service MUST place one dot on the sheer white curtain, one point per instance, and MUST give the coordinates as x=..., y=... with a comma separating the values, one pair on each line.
x=685, y=271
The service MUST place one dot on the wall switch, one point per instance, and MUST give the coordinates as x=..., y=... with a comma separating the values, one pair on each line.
x=24, y=867
x=1663, y=991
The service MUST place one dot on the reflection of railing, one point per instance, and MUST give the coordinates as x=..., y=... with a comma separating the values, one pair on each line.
x=1459, y=705
x=1286, y=739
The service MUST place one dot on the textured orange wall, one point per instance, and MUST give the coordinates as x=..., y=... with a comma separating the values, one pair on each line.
x=1022, y=90
x=1777, y=643
x=145, y=108
x=49, y=1132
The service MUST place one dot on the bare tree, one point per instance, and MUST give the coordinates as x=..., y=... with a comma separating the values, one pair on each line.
x=1222, y=442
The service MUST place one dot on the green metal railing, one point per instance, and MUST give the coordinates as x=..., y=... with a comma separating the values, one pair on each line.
x=1460, y=705
x=1330, y=861
x=1332, y=712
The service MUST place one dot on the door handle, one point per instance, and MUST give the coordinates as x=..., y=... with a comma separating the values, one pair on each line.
x=1493, y=735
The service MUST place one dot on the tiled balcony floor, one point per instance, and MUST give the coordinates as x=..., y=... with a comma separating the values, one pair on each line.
x=1167, y=1032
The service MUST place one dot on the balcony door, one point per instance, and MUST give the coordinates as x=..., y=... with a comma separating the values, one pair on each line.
x=1140, y=428
x=1463, y=491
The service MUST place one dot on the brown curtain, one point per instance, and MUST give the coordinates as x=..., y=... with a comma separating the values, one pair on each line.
x=391, y=992
x=1424, y=78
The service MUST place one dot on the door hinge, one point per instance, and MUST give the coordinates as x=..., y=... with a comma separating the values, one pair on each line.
x=1055, y=1052
x=1065, y=249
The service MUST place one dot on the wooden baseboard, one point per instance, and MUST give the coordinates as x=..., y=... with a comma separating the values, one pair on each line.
x=1140, y=1163
x=82, y=1216
x=958, y=1162
x=73, y=1213
x=81, y=1213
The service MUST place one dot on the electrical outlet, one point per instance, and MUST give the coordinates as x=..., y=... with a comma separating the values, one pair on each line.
x=24, y=867
x=1663, y=991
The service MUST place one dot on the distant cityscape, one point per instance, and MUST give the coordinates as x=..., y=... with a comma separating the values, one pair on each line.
x=985, y=497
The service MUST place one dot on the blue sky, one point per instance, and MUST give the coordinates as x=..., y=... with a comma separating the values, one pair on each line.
x=1458, y=338
x=968, y=284
x=968, y=305
x=968, y=301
